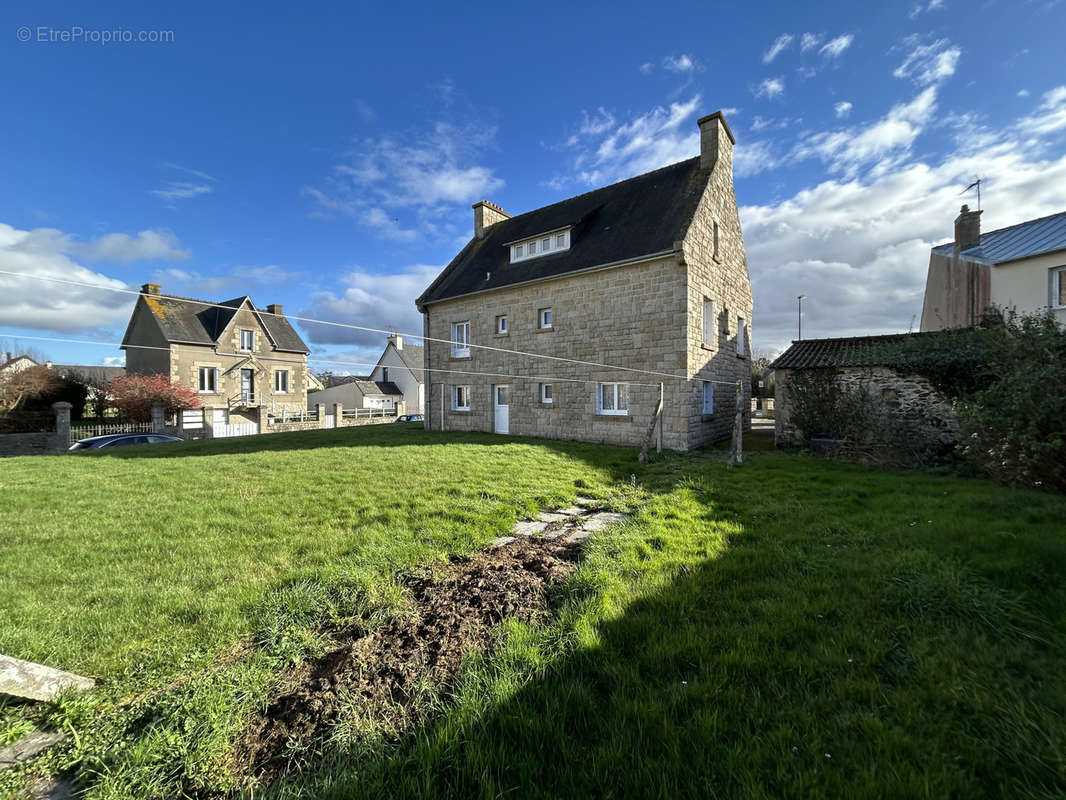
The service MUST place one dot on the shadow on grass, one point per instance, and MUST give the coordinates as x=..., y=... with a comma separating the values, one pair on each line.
x=831, y=663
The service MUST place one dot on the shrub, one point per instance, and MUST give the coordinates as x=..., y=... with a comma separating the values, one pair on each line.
x=134, y=396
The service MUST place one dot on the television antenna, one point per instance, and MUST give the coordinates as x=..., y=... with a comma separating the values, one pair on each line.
x=975, y=185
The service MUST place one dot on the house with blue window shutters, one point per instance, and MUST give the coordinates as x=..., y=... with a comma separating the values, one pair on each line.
x=649, y=274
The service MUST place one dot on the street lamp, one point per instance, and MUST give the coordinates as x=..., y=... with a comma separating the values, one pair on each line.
x=799, y=316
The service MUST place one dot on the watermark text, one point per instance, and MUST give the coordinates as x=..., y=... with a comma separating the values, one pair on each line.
x=76, y=34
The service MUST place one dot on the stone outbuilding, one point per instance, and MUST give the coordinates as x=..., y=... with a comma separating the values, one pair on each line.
x=648, y=274
x=863, y=362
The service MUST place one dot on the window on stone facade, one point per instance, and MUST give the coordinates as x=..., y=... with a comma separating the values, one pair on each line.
x=501, y=324
x=460, y=339
x=1058, y=288
x=540, y=245
x=708, y=397
x=612, y=398
x=281, y=381
x=742, y=337
x=208, y=380
x=460, y=398
x=708, y=322
x=544, y=318
x=247, y=340
x=545, y=393
x=716, y=240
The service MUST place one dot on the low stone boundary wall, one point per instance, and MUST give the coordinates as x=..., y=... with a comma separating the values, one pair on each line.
x=30, y=444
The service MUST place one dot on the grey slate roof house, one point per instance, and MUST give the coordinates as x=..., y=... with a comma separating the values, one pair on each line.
x=236, y=356
x=648, y=273
x=402, y=364
x=357, y=391
x=1022, y=266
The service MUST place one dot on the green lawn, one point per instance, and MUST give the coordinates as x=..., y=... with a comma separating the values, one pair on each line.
x=793, y=628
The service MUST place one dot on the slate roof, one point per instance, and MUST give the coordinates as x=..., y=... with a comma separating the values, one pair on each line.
x=341, y=380
x=637, y=217
x=379, y=387
x=1031, y=238
x=202, y=322
x=412, y=356
x=854, y=351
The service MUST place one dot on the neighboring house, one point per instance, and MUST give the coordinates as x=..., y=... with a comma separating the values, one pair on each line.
x=13, y=364
x=649, y=273
x=402, y=364
x=860, y=361
x=236, y=356
x=358, y=391
x=314, y=383
x=1021, y=267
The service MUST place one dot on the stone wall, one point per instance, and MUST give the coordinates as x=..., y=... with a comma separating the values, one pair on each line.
x=910, y=398
x=29, y=444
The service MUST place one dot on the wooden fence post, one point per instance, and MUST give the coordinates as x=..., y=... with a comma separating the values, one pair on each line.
x=656, y=421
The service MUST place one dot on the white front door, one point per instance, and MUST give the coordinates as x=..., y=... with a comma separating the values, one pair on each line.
x=501, y=396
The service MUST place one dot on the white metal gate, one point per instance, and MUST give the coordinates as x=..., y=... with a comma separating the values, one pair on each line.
x=331, y=421
x=235, y=429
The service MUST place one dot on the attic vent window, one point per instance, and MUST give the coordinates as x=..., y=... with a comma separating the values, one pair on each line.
x=542, y=245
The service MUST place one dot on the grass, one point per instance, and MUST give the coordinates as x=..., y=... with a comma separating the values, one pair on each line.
x=793, y=628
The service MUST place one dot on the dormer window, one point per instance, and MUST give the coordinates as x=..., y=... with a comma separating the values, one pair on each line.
x=545, y=244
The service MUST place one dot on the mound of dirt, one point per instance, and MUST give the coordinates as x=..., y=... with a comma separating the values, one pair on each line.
x=382, y=673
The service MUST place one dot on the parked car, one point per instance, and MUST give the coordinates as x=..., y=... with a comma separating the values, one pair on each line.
x=410, y=418
x=122, y=440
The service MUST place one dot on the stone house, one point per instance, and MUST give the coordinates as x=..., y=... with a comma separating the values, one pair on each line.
x=239, y=358
x=648, y=274
x=863, y=362
x=401, y=365
x=1021, y=267
x=358, y=391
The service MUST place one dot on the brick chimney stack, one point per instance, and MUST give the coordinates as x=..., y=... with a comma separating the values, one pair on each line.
x=486, y=215
x=274, y=308
x=716, y=142
x=967, y=229
x=151, y=288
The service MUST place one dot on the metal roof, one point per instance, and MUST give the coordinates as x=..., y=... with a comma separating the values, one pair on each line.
x=1032, y=238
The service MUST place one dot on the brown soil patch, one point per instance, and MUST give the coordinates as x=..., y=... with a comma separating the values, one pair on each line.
x=382, y=674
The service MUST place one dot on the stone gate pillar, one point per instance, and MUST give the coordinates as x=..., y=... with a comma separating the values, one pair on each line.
x=62, y=409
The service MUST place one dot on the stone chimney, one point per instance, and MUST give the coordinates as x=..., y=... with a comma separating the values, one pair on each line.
x=396, y=340
x=274, y=308
x=967, y=229
x=716, y=141
x=486, y=215
x=151, y=288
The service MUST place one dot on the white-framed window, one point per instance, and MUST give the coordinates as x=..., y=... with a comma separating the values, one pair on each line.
x=1058, y=288
x=460, y=339
x=545, y=393
x=208, y=380
x=742, y=337
x=540, y=245
x=612, y=398
x=708, y=322
x=247, y=340
x=460, y=398
x=708, y=397
x=501, y=324
x=281, y=381
x=544, y=318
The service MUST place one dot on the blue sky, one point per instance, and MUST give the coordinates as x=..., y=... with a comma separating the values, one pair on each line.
x=327, y=159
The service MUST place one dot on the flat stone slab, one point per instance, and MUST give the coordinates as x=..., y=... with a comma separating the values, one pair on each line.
x=501, y=541
x=527, y=528
x=586, y=502
x=29, y=746
x=578, y=536
x=36, y=681
x=597, y=522
x=572, y=511
x=552, y=516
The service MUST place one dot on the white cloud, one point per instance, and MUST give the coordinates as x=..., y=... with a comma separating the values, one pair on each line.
x=46, y=305
x=753, y=157
x=147, y=245
x=858, y=247
x=884, y=142
x=927, y=64
x=228, y=281
x=647, y=68
x=424, y=175
x=770, y=88
x=836, y=47
x=681, y=63
x=780, y=44
x=918, y=9
x=114, y=361
x=1023, y=93
x=175, y=190
x=385, y=301
x=809, y=41
x=842, y=109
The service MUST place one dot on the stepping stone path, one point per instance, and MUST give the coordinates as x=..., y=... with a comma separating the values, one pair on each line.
x=577, y=523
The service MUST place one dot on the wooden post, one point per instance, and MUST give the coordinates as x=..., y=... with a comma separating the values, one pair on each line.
x=442, y=406
x=736, y=452
x=656, y=421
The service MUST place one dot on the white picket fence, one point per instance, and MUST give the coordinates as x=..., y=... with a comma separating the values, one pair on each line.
x=235, y=429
